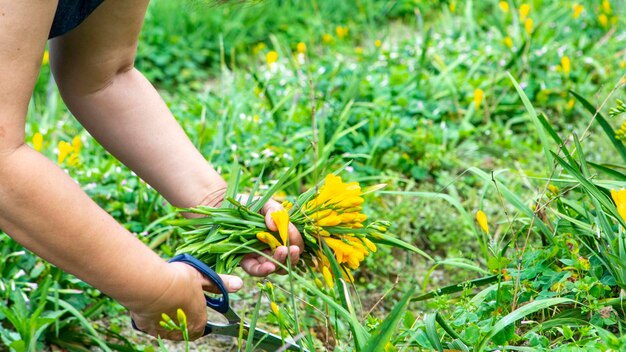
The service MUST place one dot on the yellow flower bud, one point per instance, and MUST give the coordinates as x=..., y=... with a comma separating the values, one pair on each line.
x=275, y=309
x=481, y=218
x=328, y=277
x=271, y=57
x=504, y=6
x=301, y=48
x=565, y=65
x=524, y=10
x=478, y=97
x=37, y=141
x=64, y=150
x=528, y=26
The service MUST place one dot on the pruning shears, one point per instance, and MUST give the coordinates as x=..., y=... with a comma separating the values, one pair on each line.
x=262, y=339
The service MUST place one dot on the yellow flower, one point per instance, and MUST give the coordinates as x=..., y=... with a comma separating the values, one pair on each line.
x=37, y=141
x=566, y=65
x=570, y=104
x=301, y=47
x=352, y=252
x=478, y=97
x=327, y=38
x=45, y=59
x=268, y=239
x=256, y=118
x=508, y=41
x=524, y=10
x=481, y=218
x=619, y=197
x=504, y=6
x=452, y=6
x=328, y=277
x=553, y=189
x=275, y=309
x=342, y=31
x=331, y=220
x=358, y=50
x=77, y=144
x=378, y=43
x=528, y=26
x=271, y=57
x=606, y=7
x=578, y=10
x=604, y=21
x=319, y=283
x=182, y=317
x=64, y=150
x=281, y=219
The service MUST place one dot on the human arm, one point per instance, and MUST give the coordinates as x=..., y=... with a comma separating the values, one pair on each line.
x=43, y=209
x=94, y=68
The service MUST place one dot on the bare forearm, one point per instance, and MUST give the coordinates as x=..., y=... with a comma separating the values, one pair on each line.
x=131, y=120
x=47, y=212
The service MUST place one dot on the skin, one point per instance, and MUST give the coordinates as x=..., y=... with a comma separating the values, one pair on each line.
x=43, y=209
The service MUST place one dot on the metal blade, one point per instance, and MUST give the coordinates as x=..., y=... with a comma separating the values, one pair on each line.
x=262, y=339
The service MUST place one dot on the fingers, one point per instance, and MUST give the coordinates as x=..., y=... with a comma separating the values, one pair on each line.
x=231, y=282
x=295, y=239
x=267, y=210
x=257, y=265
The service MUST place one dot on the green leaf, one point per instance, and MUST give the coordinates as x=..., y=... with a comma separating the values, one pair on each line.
x=431, y=331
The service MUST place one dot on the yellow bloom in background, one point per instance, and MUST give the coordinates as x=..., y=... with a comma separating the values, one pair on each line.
x=577, y=10
x=528, y=26
x=452, y=6
x=342, y=31
x=268, y=239
x=604, y=21
x=508, y=41
x=301, y=48
x=275, y=309
x=64, y=150
x=358, y=50
x=327, y=38
x=77, y=144
x=328, y=277
x=37, y=141
x=524, y=10
x=481, y=218
x=271, y=57
x=565, y=65
x=378, y=43
x=606, y=7
x=619, y=197
x=478, y=97
x=570, y=104
x=45, y=59
x=504, y=6
x=281, y=219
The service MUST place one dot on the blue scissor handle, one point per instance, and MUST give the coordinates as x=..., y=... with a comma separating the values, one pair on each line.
x=220, y=304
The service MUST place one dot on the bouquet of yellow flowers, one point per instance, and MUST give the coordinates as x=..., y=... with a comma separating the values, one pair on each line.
x=327, y=216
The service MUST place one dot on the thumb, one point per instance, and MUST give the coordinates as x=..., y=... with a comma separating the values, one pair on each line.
x=231, y=282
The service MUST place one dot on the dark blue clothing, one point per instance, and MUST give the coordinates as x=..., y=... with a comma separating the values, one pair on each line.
x=71, y=13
